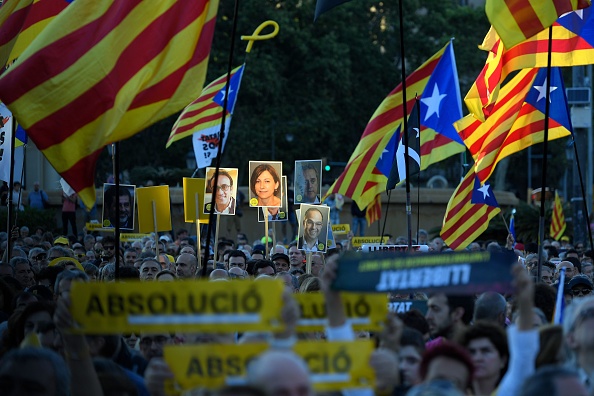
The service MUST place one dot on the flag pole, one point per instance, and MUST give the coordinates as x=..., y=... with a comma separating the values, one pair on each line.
x=418, y=174
x=541, y=223
x=585, y=201
x=221, y=140
x=405, y=127
x=16, y=214
x=9, y=197
x=385, y=218
x=116, y=178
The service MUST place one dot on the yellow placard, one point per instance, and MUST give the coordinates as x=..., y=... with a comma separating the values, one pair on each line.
x=94, y=226
x=194, y=191
x=365, y=311
x=131, y=237
x=111, y=308
x=358, y=241
x=341, y=229
x=210, y=365
x=333, y=365
x=160, y=196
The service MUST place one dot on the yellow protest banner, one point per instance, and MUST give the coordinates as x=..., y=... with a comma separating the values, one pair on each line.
x=193, y=199
x=210, y=365
x=110, y=308
x=341, y=229
x=333, y=365
x=359, y=241
x=94, y=226
x=131, y=237
x=153, y=204
x=365, y=311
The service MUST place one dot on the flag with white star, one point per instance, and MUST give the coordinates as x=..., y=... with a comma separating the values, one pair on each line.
x=573, y=35
x=398, y=171
x=468, y=213
x=517, y=120
x=363, y=179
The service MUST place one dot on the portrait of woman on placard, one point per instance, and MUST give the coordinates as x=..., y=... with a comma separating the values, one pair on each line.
x=265, y=185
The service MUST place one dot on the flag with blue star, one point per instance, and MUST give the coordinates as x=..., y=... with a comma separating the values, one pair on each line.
x=468, y=213
x=398, y=172
x=517, y=120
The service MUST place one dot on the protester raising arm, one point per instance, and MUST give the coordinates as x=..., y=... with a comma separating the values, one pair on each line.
x=84, y=380
x=522, y=338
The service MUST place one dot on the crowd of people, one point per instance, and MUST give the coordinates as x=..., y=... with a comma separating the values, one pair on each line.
x=486, y=344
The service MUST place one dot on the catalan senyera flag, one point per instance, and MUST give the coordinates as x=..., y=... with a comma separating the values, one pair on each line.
x=558, y=224
x=518, y=20
x=572, y=45
x=468, y=213
x=101, y=71
x=21, y=21
x=517, y=121
x=362, y=180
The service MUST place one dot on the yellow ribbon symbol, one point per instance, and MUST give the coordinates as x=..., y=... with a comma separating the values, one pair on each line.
x=257, y=37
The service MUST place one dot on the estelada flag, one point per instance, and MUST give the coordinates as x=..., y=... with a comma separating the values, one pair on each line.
x=103, y=71
x=518, y=20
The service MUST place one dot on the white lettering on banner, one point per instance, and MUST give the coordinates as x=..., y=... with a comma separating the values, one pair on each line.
x=400, y=307
x=415, y=278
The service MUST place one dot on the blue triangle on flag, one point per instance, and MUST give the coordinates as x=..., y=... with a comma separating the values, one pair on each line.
x=388, y=156
x=483, y=194
x=233, y=89
x=559, y=110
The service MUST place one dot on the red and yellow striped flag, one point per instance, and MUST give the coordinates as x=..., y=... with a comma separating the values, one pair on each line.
x=517, y=121
x=374, y=210
x=518, y=20
x=103, y=71
x=468, y=213
x=361, y=180
x=23, y=20
x=558, y=224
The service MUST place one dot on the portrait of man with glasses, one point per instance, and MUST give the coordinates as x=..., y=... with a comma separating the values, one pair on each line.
x=313, y=227
x=224, y=191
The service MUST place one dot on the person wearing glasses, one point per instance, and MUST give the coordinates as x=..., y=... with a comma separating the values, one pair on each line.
x=224, y=200
x=580, y=286
x=313, y=221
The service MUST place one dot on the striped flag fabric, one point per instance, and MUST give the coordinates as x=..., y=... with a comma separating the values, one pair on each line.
x=558, y=224
x=517, y=121
x=374, y=210
x=518, y=20
x=573, y=45
x=361, y=179
x=468, y=213
x=23, y=20
x=103, y=71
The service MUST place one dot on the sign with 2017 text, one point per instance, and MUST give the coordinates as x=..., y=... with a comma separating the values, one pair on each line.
x=460, y=273
x=332, y=365
x=110, y=308
x=364, y=311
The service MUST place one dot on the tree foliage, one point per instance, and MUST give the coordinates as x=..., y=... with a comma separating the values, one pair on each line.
x=316, y=83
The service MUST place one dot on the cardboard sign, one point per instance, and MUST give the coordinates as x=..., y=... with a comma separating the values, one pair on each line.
x=147, y=211
x=125, y=200
x=132, y=237
x=333, y=365
x=393, y=248
x=277, y=214
x=95, y=227
x=364, y=311
x=193, y=200
x=111, y=308
x=341, y=229
x=211, y=365
x=359, y=241
x=460, y=273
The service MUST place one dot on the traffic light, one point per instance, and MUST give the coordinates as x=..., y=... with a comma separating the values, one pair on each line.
x=327, y=168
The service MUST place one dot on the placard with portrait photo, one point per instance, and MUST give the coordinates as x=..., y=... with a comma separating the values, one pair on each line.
x=308, y=182
x=126, y=200
x=313, y=227
x=225, y=191
x=277, y=214
x=265, y=184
